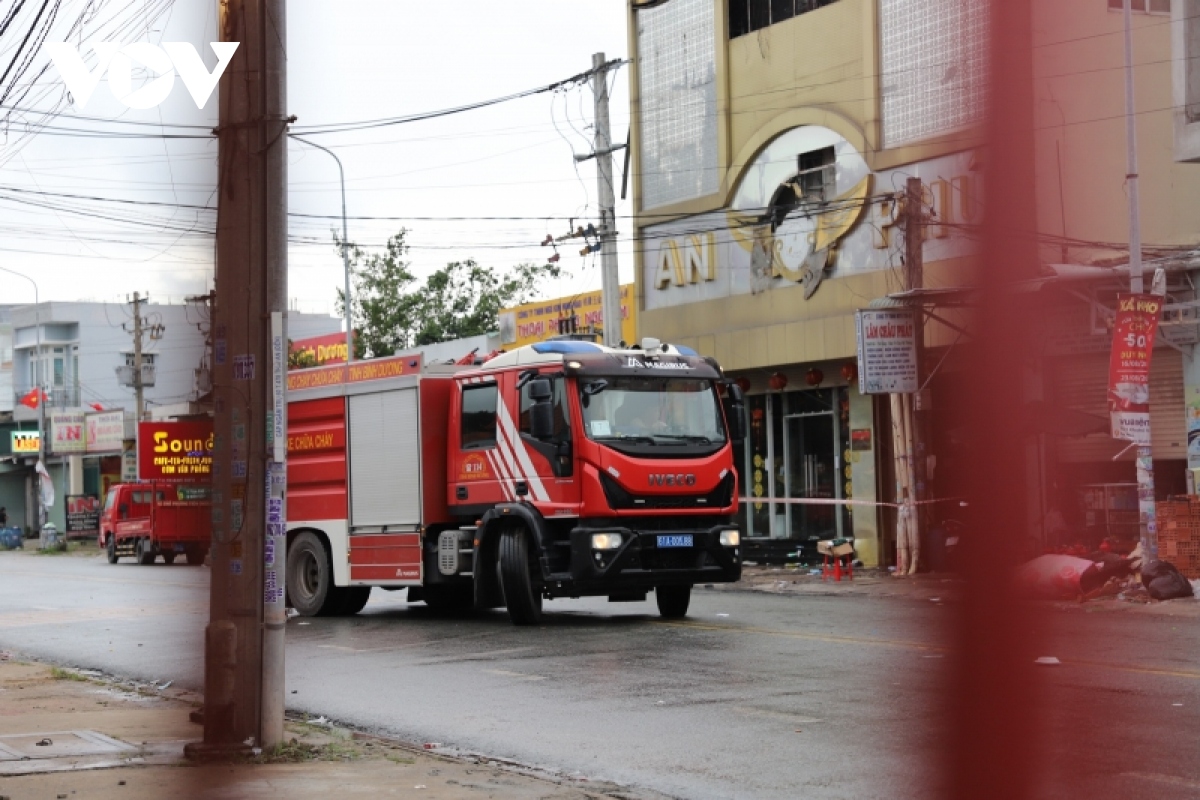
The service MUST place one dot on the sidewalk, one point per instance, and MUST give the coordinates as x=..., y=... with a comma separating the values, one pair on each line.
x=927, y=587
x=87, y=737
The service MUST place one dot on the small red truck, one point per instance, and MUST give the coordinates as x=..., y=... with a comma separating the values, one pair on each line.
x=559, y=469
x=147, y=520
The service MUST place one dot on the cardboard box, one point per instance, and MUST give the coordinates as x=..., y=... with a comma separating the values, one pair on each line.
x=835, y=547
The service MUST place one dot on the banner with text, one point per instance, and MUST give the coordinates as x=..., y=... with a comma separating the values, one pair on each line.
x=1134, y=330
x=887, y=351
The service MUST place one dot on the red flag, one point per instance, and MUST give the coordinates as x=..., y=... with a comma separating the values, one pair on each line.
x=96, y=406
x=31, y=398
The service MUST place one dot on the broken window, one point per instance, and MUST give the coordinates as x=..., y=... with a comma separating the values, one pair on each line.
x=747, y=16
x=816, y=175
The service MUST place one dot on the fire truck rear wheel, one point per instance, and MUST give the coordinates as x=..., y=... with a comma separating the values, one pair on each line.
x=145, y=553
x=310, y=578
x=351, y=599
x=195, y=555
x=673, y=600
x=111, y=548
x=169, y=558
x=524, y=602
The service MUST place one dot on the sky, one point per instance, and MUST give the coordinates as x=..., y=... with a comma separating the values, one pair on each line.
x=347, y=61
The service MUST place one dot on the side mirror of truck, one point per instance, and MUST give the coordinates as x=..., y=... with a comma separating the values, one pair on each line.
x=735, y=412
x=541, y=414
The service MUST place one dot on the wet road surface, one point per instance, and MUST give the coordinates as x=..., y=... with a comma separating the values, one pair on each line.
x=755, y=695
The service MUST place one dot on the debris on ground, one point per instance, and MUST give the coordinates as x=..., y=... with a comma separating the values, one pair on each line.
x=1164, y=581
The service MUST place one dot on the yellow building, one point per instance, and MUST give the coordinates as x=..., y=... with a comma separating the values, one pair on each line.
x=771, y=144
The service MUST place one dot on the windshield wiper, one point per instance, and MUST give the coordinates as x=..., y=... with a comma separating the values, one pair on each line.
x=624, y=437
x=691, y=438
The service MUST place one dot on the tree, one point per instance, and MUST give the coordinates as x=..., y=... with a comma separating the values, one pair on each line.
x=392, y=311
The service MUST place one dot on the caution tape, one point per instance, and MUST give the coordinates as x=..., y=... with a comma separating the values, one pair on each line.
x=830, y=501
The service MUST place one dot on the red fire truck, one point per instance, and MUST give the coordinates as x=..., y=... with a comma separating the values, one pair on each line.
x=560, y=469
x=146, y=520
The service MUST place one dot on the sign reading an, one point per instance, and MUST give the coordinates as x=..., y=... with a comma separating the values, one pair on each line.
x=887, y=351
x=1129, y=366
x=175, y=451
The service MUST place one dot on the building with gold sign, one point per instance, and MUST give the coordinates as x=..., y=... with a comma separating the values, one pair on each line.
x=772, y=142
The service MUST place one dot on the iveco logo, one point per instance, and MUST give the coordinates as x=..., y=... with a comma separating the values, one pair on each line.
x=679, y=479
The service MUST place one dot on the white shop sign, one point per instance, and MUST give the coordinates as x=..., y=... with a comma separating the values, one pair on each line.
x=887, y=351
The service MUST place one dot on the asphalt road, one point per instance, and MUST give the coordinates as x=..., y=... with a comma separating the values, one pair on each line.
x=755, y=695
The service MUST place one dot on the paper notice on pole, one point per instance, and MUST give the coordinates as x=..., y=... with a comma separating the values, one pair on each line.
x=1134, y=331
x=887, y=351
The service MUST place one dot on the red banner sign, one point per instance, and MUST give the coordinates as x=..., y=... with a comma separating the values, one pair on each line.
x=373, y=369
x=175, y=451
x=1129, y=366
x=322, y=350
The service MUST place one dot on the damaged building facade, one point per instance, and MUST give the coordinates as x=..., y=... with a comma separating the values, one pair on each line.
x=772, y=143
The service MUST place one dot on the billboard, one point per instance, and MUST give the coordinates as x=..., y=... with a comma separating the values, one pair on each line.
x=537, y=322
x=67, y=432
x=319, y=351
x=175, y=451
x=25, y=442
x=83, y=514
x=105, y=432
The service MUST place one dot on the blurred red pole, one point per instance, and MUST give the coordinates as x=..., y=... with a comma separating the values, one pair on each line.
x=993, y=743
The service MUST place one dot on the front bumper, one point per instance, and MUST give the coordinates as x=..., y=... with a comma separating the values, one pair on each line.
x=640, y=564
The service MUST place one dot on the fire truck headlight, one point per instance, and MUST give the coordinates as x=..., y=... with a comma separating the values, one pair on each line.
x=730, y=539
x=606, y=541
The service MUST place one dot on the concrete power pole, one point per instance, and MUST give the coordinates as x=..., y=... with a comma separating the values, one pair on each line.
x=1145, y=453
x=914, y=268
x=138, y=388
x=610, y=287
x=244, y=695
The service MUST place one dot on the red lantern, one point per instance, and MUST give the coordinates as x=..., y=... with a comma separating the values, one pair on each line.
x=778, y=381
x=850, y=372
x=814, y=377
x=743, y=384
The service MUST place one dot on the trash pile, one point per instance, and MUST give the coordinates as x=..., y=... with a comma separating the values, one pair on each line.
x=1067, y=577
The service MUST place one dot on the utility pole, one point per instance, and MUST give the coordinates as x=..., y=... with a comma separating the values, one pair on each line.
x=1145, y=454
x=138, y=388
x=610, y=287
x=243, y=680
x=914, y=268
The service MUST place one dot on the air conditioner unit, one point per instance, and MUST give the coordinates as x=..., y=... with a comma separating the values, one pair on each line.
x=125, y=375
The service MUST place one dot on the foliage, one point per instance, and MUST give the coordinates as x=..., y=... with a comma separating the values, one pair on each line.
x=301, y=359
x=60, y=674
x=394, y=311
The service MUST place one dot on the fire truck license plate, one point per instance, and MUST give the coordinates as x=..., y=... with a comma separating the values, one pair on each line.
x=675, y=541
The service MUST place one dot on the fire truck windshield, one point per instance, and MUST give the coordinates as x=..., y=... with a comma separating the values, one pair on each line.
x=652, y=410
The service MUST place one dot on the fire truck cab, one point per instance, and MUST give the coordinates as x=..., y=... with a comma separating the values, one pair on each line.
x=560, y=469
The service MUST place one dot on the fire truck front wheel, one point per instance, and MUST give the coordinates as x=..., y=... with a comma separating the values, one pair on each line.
x=310, y=577
x=673, y=601
x=523, y=600
x=111, y=548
